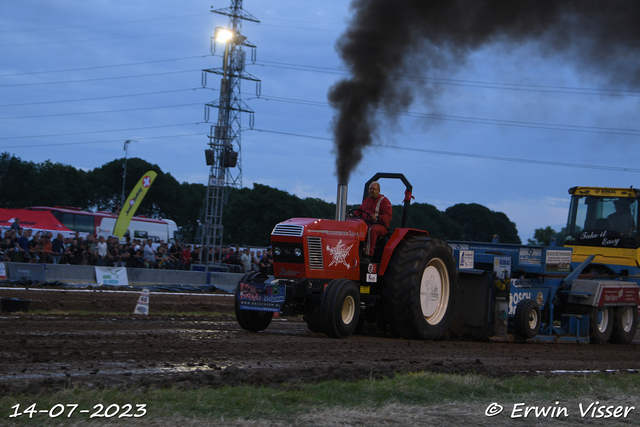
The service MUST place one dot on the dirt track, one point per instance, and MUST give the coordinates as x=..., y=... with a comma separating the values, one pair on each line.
x=52, y=350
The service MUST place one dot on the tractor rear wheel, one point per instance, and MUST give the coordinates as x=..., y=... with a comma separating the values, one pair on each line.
x=340, y=308
x=625, y=324
x=250, y=320
x=421, y=289
x=600, y=324
x=527, y=319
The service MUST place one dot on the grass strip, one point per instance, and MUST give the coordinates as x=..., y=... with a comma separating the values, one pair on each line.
x=286, y=404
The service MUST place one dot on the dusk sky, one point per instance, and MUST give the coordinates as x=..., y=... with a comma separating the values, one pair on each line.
x=512, y=127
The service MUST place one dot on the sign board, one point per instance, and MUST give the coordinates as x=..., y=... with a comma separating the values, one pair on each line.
x=114, y=276
x=465, y=260
x=24, y=271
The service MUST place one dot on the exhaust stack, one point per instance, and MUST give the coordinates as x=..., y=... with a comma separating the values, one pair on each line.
x=341, y=202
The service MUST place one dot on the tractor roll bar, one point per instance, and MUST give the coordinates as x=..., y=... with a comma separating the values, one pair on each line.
x=408, y=188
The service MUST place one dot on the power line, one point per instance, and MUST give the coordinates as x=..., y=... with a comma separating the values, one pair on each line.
x=473, y=156
x=338, y=71
x=101, y=78
x=102, y=112
x=101, y=97
x=100, y=142
x=105, y=66
x=466, y=83
x=512, y=159
x=103, y=24
x=104, y=39
x=478, y=120
x=534, y=125
x=98, y=131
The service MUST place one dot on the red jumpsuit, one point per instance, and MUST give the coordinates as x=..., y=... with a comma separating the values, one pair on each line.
x=379, y=208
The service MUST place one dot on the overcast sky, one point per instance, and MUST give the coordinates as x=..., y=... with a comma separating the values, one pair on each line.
x=515, y=127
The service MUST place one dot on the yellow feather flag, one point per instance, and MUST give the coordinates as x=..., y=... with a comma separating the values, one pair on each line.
x=133, y=201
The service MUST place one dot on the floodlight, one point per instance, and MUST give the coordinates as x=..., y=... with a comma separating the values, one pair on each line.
x=223, y=35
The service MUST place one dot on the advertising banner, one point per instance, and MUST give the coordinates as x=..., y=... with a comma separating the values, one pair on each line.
x=23, y=271
x=132, y=203
x=114, y=276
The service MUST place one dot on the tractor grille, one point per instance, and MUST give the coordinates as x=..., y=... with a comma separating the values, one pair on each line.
x=287, y=230
x=314, y=246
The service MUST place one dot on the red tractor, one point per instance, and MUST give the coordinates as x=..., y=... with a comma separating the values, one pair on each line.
x=410, y=284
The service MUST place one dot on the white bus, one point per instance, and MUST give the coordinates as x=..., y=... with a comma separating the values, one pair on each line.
x=102, y=223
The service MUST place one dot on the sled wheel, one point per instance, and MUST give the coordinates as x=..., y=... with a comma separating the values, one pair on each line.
x=253, y=321
x=625, y=324
x=600, y=324
x=527, y=319
x=421, y=289
x=340, y=308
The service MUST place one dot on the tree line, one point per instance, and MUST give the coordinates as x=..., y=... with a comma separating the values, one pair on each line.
x=249, y=214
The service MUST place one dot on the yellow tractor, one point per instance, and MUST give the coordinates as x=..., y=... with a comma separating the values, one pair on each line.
x=603, y=223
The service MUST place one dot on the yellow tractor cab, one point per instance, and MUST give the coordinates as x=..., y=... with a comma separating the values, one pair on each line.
x=603, y=222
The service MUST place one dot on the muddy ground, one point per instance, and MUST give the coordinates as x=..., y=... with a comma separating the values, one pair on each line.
x=55, y=349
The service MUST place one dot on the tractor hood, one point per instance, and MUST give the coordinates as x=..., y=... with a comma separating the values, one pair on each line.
x=297, y=227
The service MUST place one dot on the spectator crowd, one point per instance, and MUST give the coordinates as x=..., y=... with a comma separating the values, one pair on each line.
x=23, y=245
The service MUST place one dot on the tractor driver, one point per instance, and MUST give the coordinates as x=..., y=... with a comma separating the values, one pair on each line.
x=622, y=219
x=376, y=211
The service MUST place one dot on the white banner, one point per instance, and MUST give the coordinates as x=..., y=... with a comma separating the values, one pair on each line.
x=114, y=276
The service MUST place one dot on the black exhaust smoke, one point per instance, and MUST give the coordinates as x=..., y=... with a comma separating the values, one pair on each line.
x=388, y=39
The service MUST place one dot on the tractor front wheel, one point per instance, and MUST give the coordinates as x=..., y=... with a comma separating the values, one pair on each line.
x=340, y=308
x=250, y=320
x=421, y=289
x=625, y=324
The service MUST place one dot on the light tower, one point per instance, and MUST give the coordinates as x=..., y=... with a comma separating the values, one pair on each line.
x=224, y=154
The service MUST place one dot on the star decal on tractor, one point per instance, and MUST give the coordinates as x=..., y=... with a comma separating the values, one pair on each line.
x=339, y=253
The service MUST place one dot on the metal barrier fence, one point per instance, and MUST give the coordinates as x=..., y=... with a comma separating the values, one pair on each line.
x=93, y=259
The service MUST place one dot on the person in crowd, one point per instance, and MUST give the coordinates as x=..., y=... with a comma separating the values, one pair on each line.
x=73, y=252
x=255, y=264
x=246, y=260
x=149, y=254
x=46, y=248
x=171, y=258
x=22, y=245
x=57, y=249
x=8, y=249
x=112, y=249
x=138, y=255
x=175, y=249
x=33, y=246
x=222, y=256
x=232, y=257
x=196, y=255
x=15, y=225
x=101, y=251
x=121, y=254
x=186, y=257
x=161, y=260
x=264, y=263
x=269, y=262
x=178, y=254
